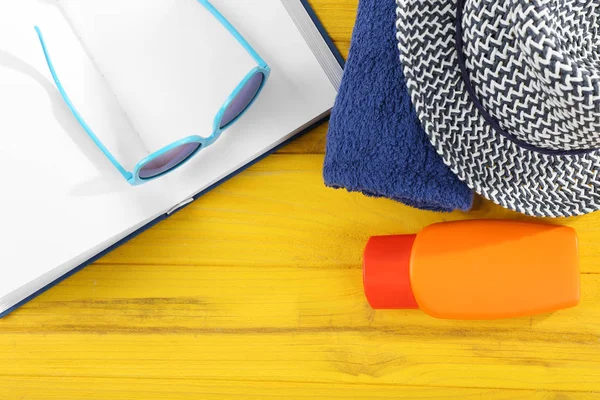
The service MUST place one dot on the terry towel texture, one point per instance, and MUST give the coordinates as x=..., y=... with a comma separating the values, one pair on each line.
x=376, y=144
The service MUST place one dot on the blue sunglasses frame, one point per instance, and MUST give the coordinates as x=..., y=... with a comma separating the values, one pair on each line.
x=133, y=177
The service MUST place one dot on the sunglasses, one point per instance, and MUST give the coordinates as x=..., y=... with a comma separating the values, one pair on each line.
x=178, y=153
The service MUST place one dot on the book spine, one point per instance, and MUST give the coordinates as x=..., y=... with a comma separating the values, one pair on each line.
x=317, y=39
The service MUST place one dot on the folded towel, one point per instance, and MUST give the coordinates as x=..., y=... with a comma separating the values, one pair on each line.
x=375, y=143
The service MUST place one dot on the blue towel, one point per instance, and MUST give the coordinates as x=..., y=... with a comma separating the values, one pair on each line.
x=375, y=143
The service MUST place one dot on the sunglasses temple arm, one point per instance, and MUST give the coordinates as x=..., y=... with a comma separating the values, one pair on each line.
x=127, y=175
x=234, y=32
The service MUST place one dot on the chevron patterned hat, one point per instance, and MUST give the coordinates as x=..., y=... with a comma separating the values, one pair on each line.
x=508, y=92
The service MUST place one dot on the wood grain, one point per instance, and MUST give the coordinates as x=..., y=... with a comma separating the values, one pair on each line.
x=59, y=388
x=255, y=292
x=146, y=299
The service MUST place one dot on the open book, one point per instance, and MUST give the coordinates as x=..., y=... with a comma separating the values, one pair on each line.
x=143, y=74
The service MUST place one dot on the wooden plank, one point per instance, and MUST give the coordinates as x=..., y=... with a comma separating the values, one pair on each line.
x=144, y=299
x=279, y=213
x=377, y=358
x=68, y=388
x=281, y=325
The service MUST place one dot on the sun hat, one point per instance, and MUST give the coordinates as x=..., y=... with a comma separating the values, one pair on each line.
x=508, y=92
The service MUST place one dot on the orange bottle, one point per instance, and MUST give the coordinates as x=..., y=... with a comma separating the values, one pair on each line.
x=475, y=270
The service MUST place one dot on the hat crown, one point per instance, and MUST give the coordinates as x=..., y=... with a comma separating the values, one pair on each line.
x=534, y=65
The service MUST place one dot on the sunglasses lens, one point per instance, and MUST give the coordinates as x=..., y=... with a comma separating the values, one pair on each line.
x=168, y=160
x=243, y=99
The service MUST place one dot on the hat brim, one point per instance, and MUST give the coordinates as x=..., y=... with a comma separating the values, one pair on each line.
x=520, y=179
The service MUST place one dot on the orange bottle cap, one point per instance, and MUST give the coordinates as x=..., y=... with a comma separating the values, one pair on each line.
x=386, y=272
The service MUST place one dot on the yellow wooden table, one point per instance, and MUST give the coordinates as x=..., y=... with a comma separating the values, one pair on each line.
x=255, y=291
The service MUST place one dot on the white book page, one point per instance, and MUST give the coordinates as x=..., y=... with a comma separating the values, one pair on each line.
x=172, y=64
x=60, y=195
x=297, y=93
x=63, y=201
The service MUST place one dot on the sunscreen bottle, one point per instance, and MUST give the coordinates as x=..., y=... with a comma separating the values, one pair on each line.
x=486, y=269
